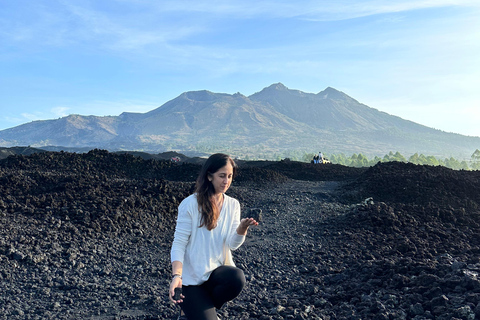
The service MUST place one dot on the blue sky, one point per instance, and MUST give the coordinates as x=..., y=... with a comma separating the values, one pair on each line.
x=415, y=59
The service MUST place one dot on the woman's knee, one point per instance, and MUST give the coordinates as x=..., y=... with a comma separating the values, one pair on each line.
x=228, y=277
x=240, y=277
x=229, y=282
x=234, y=275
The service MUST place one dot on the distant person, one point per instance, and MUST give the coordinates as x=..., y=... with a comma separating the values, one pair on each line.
x=315, y=159
x=208, y=228
x=320, y=157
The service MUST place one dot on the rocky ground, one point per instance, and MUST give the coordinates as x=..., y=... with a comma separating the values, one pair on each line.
x=87, y=236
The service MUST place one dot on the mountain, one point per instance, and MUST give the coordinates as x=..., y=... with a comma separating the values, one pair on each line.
x=276, y=119
x=329, y=109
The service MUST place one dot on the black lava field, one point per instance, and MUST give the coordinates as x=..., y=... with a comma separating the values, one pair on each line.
x=88, y=236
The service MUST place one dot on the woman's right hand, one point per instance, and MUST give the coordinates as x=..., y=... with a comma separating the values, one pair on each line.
x=245, y=224
x=176, y=283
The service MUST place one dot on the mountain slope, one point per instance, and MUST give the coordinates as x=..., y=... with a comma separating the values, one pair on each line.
x=206, y=112
x=203, y=117
x=274, y=119
x=329, y=109
x=72, y=130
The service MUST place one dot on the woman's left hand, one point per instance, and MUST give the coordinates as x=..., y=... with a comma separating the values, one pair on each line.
x=245, y=224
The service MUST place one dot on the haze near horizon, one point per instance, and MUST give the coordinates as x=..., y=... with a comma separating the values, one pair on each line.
x=413, y=59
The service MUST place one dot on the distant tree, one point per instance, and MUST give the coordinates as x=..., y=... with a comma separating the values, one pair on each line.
x=338, y=159
x=464, y=165
x=388, y=157
x=431, y=160
x=441, y=162
x=475, y=166
x=451, y=163
x=476, y=156
x=358, y=160
x=334, y=159
x=352, y=161
x=475, y=160
x=362, y=160
x=307, y=157
x=422, y=159
x=414, y=159
x=375, y=160
x=399, y=157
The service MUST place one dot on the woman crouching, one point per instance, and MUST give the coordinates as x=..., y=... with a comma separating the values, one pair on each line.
x=208, y=228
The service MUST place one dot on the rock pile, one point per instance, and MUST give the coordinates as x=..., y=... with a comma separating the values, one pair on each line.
x=87, y=236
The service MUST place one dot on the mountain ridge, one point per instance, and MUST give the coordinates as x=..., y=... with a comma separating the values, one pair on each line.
x=275, y=119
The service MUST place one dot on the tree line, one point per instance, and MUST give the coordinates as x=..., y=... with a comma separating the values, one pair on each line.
x=355, y=160
x=360, y=160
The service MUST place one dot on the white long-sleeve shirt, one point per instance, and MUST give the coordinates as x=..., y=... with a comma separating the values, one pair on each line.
x=199, y=250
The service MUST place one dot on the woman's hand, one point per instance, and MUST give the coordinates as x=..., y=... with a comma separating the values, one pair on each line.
x=245, y=224
x=176, y=283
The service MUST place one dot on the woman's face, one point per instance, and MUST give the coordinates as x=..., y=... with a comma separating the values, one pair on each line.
x=222, y=179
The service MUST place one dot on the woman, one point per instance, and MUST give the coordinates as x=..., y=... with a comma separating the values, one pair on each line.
x=208, y=228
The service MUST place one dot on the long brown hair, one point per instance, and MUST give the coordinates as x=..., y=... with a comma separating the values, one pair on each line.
x=206, y=191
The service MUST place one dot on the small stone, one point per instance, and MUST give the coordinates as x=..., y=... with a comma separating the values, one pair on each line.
x=17, y=255
x=439, y=301
x=417, y=309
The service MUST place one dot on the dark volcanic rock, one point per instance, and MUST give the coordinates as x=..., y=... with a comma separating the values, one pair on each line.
x=87, y=236
x=308, y=171
x=419, y=184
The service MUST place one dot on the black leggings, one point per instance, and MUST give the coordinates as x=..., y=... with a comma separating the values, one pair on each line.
x=224, y=284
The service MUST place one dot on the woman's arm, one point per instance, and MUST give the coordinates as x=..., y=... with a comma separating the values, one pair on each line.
x=183, y=230
x=180, y=241
x=239, y=228
x=177, y=269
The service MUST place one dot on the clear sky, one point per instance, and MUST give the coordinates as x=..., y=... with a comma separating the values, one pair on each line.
x=417, y=59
